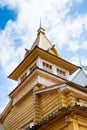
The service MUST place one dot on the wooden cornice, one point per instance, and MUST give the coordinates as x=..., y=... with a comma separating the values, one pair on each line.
x=65, y=87
x=36, y=52
x=6, y=111
x=51, y=88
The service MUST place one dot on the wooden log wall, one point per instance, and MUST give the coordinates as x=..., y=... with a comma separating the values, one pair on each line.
x=20, y=114
x=56, y=124
x=37, y=109
x=71, y=99
x=49, y=103
x=82, y=122
x=61, y=99
x=74, y=122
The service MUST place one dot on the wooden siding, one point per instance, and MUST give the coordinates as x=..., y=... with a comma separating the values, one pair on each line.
x=36, y=108
x=20, y=114
x=49, y=103
x=82, y=128
x=56, y=124
x=82, y=121
x=67, y=122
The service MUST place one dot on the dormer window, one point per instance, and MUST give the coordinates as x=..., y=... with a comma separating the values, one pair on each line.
x=47, y=66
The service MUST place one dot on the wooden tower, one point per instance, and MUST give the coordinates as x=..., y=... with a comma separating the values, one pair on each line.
x=45, y=99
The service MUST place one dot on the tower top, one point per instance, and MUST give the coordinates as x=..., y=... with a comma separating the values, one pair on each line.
x=40, y=30
x=42, y=42
x=44, y=48
x=40, y=22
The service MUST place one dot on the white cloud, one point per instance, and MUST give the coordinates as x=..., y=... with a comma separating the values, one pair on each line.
x=75, y=60
x=63, y=29
x=21, y=30
x=69, y=32
x=79, y=60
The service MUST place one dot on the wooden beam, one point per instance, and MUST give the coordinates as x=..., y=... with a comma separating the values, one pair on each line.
x=50, y=88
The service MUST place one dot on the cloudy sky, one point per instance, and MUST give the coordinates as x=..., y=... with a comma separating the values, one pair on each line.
x=65, y=22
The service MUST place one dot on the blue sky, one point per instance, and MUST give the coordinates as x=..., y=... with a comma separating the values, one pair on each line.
x=6, y=14
x=65, y=22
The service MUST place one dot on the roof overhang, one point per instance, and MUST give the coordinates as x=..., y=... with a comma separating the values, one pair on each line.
x=31, y=77
x=65, y=86
x=38, y=52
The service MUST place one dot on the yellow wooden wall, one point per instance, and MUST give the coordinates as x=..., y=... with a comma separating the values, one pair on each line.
x=36, y=107
x=82, y=127
x=49, y=103
x=56, y=124
x=63, y=124
x=82, y=122
x=20, y=114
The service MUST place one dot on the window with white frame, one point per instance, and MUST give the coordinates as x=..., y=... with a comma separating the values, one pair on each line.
x=47, y=66
x=23, y=76
x=61, y=72
x=32, y=68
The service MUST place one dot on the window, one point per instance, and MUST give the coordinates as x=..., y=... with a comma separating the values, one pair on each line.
x=60, y=71
x=47, y=66
x=23, y=77
x=33, y=68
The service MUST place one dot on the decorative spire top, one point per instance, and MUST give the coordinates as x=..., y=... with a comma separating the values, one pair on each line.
x=40, y=30
x=42, y=41
x=40, y=22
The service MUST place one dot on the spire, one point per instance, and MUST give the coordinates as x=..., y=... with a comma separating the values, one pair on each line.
x=42, y=41
x=40, y=22
x=40, y=30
